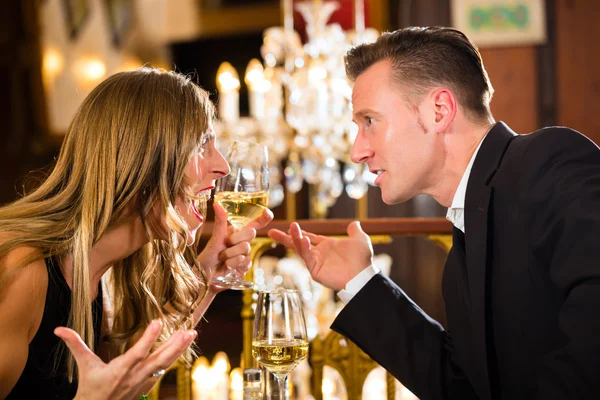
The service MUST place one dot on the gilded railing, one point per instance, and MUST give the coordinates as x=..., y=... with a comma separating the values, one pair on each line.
x=350, y=361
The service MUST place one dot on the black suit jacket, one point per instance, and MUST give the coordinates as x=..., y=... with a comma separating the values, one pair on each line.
x=521, y=287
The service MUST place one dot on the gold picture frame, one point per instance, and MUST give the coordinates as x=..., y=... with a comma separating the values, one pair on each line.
x=120, y=16
x=76, y=14
x=221, y=18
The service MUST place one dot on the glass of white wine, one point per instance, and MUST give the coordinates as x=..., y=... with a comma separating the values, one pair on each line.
x=279, y=339
x=244, y=193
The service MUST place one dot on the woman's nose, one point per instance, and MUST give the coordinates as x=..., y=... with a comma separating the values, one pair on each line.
x=221, y=166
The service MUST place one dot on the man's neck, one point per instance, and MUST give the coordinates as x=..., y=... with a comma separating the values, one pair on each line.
x=461, y=144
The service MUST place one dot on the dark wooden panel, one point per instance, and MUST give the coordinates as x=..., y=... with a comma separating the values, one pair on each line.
x=578, y=63
x=514, y=77
x=372, y=226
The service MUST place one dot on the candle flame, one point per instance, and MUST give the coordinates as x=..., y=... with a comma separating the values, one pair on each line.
x=227, y=78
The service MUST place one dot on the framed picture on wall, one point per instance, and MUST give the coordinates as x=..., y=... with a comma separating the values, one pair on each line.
x=76, y=14
x=227, y=17
x=119, y=17
x=501, y=22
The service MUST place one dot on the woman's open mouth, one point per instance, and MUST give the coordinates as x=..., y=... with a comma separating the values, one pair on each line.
x=203, y=196
x=196, y=211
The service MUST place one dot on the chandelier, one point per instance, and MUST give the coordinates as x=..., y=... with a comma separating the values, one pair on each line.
x=300, y=105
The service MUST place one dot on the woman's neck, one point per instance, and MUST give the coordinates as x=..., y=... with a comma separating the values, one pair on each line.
x=116, y=244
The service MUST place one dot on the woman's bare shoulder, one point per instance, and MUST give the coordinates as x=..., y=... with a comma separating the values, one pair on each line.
x=23, y=287
x=22, y=298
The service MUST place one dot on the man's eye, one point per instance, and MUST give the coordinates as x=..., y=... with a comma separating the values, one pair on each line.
x=369, y=120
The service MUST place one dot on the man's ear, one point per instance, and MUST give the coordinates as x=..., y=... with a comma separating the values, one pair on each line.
x=444, y=109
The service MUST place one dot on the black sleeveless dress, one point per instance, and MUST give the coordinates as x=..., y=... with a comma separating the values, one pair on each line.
x=45, y=374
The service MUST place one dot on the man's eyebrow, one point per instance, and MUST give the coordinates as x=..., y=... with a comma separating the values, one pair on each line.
x=366, y=112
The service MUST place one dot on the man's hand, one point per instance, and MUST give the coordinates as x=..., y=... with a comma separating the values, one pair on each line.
x=331, y=261
x=229, y=249
x=130, y=373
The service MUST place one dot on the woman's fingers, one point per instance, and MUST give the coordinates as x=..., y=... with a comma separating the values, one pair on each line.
x=141, y=349
x=244, y=235
x=262, y=221
x=76, y=345
x=167, y=353
x=239, y=263
x=241, y=249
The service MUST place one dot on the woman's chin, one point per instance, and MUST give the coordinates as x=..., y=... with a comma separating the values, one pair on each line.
x=191, y=237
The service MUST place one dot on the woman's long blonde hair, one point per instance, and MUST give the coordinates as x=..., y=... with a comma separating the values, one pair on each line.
x=126, y=149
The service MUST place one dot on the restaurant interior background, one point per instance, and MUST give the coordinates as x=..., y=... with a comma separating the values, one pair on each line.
x=54, y=51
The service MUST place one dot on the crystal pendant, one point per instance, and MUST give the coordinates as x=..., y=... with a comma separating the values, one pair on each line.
x=310, y=169
x=293, y=174
x=357, y=188
x=276, y=196
x=368, y=177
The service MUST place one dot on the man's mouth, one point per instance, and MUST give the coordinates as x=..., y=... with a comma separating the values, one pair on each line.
x=377, y=172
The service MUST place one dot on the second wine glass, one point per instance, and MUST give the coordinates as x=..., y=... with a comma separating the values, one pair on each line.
x=279, y=339
x=244, y=193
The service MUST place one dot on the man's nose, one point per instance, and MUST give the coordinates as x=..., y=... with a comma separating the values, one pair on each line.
x=361, y=151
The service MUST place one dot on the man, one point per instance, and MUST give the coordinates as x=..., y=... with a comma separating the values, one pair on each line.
x=522, y=282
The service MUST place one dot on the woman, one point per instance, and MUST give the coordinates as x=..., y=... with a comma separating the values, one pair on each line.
x=106, y=245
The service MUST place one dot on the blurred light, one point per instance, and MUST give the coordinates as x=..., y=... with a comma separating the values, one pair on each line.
x=52, y=64
x=236, y=380
x=254, y=74
x=221, y=362
x=131, y=64
x=89, y=70
x=227, y=78
x=200, y=369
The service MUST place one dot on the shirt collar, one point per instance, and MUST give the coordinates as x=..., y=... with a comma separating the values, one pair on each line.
x=456, y=211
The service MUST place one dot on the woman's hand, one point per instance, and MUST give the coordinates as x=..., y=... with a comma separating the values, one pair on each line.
x=126, y=376
x=229, y=249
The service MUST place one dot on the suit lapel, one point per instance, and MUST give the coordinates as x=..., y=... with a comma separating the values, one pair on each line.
x=477, y=213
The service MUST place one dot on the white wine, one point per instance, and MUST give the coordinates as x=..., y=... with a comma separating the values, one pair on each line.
x=242, y=207
x=281, y=355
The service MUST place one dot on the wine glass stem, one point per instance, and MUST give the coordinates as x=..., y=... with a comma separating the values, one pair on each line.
x=281, y=384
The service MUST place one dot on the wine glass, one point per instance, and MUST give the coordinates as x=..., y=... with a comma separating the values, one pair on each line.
x=244, y=193
x=279, y=339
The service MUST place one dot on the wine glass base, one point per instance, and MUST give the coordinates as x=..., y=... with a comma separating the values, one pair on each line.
x=232, y=283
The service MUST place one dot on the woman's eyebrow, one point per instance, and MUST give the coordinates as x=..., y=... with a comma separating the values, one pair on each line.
x=209, y=135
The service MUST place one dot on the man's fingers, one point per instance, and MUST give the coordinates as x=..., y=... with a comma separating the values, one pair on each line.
x=141, y=349
x=76, y=345
x=314, y=239
x=281, y=237
x=167, y=353
x=302, y=245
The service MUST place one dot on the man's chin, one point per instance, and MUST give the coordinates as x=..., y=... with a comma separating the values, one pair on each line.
x=391, y=199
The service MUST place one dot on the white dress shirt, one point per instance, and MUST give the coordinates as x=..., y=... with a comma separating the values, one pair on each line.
x=455, y=214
